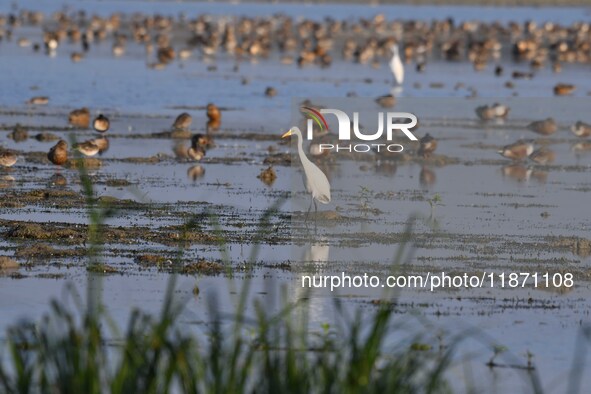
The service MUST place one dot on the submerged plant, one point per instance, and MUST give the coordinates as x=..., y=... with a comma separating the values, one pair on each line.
x=497, y=350
x=365, y=197
x=434, y=202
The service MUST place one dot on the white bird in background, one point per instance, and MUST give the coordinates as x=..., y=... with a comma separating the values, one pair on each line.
x=314, y=179
x=396, y=66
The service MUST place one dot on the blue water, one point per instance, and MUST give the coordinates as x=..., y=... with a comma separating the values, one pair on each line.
x=564, y=15
x=124, y=86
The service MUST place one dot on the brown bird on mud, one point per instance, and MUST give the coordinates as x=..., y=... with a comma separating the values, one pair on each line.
x=87, y=148
x=270, y=92
x=213, y=112
x=485, y=112
x=165, y=55
x=58, y=154
x=522, y=75
x=543, y=127
x=101, y=124
x=196, y=152
x=428, y=145
x=79, y=118
x=214, y=117
x=38, y=100
x=76, y=57
x=199, y=143
x=18, y=134
x=517, y=151
x=500, y=110
x=581, y=129
x=102, y=143
x=7, y=158
x=542, y=156
x=495, y=111
x=387, y=101
x=202, y=140
x=182, y=122
x=563, y=89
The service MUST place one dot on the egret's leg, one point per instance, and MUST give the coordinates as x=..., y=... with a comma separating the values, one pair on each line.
x=315, y=216
x=309, y=209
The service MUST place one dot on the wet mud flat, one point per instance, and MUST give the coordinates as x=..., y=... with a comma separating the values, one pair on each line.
x=208, y=210
x=498, y=222
x=474, y=210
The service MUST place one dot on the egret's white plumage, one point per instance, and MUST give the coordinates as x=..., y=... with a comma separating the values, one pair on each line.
x=396, y=66
x=314, y=179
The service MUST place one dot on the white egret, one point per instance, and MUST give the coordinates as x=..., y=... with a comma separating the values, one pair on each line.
x=396, y=66
x=314, y=179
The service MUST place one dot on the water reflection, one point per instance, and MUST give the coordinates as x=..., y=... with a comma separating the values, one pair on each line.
x=18, y=134
x=317, y=252
x=268, y=176
x=195, y=172
x=540, y=176
x=179, y=150
x=6, y=181
x=522, y=174
x=517, y=172
x=386, y=167
x=581, y=148
x=318, y=309
x=427, y=177
x=58, y=180
x=213, y=125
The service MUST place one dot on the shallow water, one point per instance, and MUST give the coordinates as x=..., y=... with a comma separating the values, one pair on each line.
x=499, y=216
x=317, y=11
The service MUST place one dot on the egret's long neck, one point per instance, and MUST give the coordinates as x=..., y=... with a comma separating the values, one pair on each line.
x=303, y=157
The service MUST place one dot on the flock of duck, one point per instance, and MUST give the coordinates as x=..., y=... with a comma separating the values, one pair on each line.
x=524, y=149
x=80, y=119
x=303, y=42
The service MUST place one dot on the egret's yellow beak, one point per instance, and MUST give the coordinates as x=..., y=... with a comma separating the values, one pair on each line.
x=286, y=134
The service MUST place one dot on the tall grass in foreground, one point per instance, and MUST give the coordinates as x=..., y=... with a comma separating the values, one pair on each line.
x=61, y=355
x=68, y=351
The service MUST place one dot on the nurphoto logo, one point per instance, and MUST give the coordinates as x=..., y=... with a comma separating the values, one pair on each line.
x=394, y=121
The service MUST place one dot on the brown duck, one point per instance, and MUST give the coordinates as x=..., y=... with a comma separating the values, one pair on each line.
x=182, y=122
x=101, y=123
x=428, y=145
x=581, y=129
x=87, y=148
x=7, y=158
x=543, y=127
x=517, y=151
x=58, y=154
x=542, y=156
x=79, y=118
x=213, y=113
